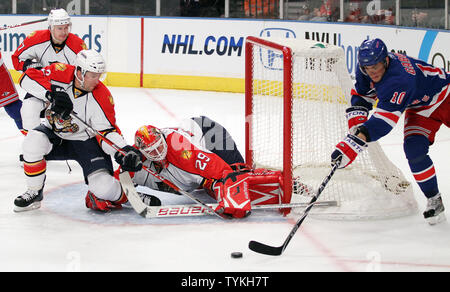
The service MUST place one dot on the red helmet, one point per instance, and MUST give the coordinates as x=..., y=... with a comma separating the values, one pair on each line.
x=151, y=142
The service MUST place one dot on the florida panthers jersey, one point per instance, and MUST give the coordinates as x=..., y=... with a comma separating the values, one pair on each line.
x=188, y=165
x=8, y=93
x=408, y=83
x=96, y=108
x=38, y=47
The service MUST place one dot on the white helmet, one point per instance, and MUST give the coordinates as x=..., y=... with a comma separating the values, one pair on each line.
x=92, y=61
x=58, y=17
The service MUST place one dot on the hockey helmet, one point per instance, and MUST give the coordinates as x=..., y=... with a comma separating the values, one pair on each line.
x=372, y=52
x=151, y=142
x=58, y=17
x=92, y=61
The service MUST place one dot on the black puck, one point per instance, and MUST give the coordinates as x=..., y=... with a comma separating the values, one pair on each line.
x=236, y=254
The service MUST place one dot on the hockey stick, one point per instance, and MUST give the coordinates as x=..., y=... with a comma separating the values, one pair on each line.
x=199, y=210
x=164, y=180
x=130, y=192
x=276, y=251
x=22, y=24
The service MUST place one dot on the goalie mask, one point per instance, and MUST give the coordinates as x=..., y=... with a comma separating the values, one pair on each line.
x=151, y=142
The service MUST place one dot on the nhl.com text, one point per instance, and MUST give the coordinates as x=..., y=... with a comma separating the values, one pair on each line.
x=223, y=281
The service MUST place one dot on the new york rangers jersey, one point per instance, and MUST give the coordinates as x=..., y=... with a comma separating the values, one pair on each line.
x=408, y=83
x=96, y=108
x=38, y=46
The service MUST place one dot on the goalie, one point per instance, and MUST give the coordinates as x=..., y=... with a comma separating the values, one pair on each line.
x=204, y=155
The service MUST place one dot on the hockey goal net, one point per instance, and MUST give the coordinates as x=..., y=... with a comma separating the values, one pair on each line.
x=296, y=94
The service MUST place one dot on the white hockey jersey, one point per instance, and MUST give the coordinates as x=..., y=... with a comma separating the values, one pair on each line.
x=96, y=108
x=38, y=47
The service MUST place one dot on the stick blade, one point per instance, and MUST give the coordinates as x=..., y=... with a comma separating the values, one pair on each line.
x=130, y=192
x=265, y=249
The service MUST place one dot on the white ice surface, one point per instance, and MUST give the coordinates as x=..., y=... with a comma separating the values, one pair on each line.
x=65, y=236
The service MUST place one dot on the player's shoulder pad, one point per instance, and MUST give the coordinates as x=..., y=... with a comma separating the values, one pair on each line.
x=104, y=98
x=75, y=43
x=60, y=72
x=37, y=37
x=179, y=147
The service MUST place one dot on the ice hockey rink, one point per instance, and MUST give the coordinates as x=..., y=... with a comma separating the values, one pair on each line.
x=63, y=235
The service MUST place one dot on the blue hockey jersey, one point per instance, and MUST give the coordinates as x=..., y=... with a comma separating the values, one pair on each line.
x=408, y=83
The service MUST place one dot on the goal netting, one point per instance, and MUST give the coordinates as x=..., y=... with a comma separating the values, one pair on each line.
x=296, y=95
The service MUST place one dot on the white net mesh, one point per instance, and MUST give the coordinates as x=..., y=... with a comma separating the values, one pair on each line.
x=372, y=187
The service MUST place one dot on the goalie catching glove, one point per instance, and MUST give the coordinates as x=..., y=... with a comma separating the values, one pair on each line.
x=232, y=193
x=347, y=150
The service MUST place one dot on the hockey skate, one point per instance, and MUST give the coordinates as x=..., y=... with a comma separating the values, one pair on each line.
x=434, y=213
x=30, y=200
x=149, y=200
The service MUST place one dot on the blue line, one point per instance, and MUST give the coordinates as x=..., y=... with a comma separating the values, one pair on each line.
x=427, y=43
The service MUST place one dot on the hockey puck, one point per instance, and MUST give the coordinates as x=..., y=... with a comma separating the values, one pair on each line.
x=236, y=255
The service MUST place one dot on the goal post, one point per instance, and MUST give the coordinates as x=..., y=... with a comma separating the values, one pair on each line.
x=296, y=93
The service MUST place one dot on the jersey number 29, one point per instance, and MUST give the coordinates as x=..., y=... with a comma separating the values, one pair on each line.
x=202, y=161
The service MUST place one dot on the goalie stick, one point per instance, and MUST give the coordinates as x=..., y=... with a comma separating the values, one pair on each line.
x=276, y=251
x=22, y=24
x=199, y=210
x=164, y=180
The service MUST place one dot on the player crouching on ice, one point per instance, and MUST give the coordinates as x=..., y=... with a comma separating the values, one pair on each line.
x=204, y=155
x=75, y=89
x=401, y=84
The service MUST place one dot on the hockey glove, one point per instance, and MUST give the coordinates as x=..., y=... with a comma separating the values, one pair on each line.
x=131, y=161
x=61, y=102
x=232, y=193
x=30, y=64
x=347, y=150
x=356, y=116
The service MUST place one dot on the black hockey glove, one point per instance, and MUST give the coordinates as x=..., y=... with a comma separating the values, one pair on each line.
x=131, y=161
x=61, y=102
x=30, y=64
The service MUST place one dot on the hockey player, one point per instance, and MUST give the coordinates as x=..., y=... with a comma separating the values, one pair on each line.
x=401, y=84
x=202, y=154
x=61, y=137
x=42, y=48
x=9, y=99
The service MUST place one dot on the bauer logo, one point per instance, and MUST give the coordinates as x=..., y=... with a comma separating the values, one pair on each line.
x=272, y=59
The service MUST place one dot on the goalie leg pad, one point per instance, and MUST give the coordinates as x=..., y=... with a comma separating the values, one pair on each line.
x=265, y=187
